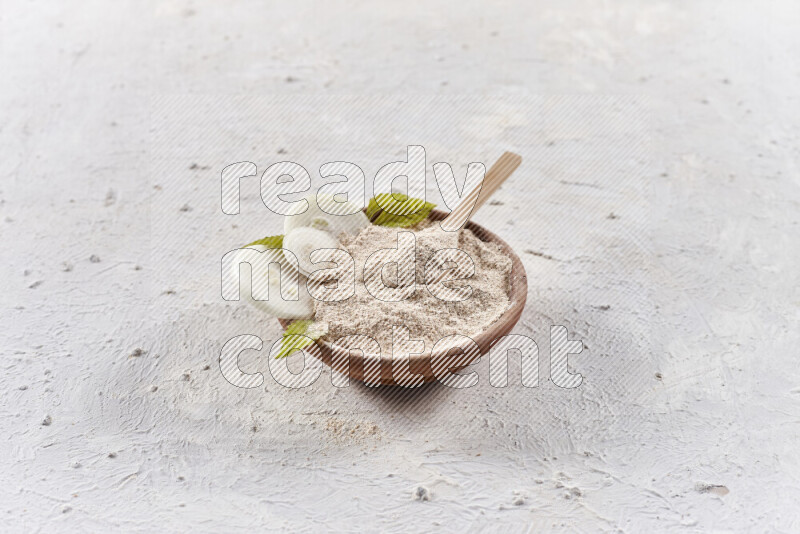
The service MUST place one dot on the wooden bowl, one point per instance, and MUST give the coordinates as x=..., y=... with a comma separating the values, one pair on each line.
x=420, y=364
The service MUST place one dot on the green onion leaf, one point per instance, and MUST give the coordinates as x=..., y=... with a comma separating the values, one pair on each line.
x=397, y=210
x=299, y=335
x=273, y=241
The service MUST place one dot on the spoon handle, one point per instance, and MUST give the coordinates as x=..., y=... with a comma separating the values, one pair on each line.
x=502, y=169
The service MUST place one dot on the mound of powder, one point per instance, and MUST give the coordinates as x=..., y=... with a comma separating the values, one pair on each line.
x=427, y=317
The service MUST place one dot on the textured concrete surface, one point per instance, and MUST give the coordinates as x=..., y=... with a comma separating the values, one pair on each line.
x=658, y=202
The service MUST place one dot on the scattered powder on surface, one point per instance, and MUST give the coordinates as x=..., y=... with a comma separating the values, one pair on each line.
x=427, y=317
x=343, y=431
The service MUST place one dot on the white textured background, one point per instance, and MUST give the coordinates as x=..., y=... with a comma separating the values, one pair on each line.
x=683, y=123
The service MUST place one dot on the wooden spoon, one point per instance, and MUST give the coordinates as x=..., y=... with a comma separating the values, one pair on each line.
x=500, y=171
